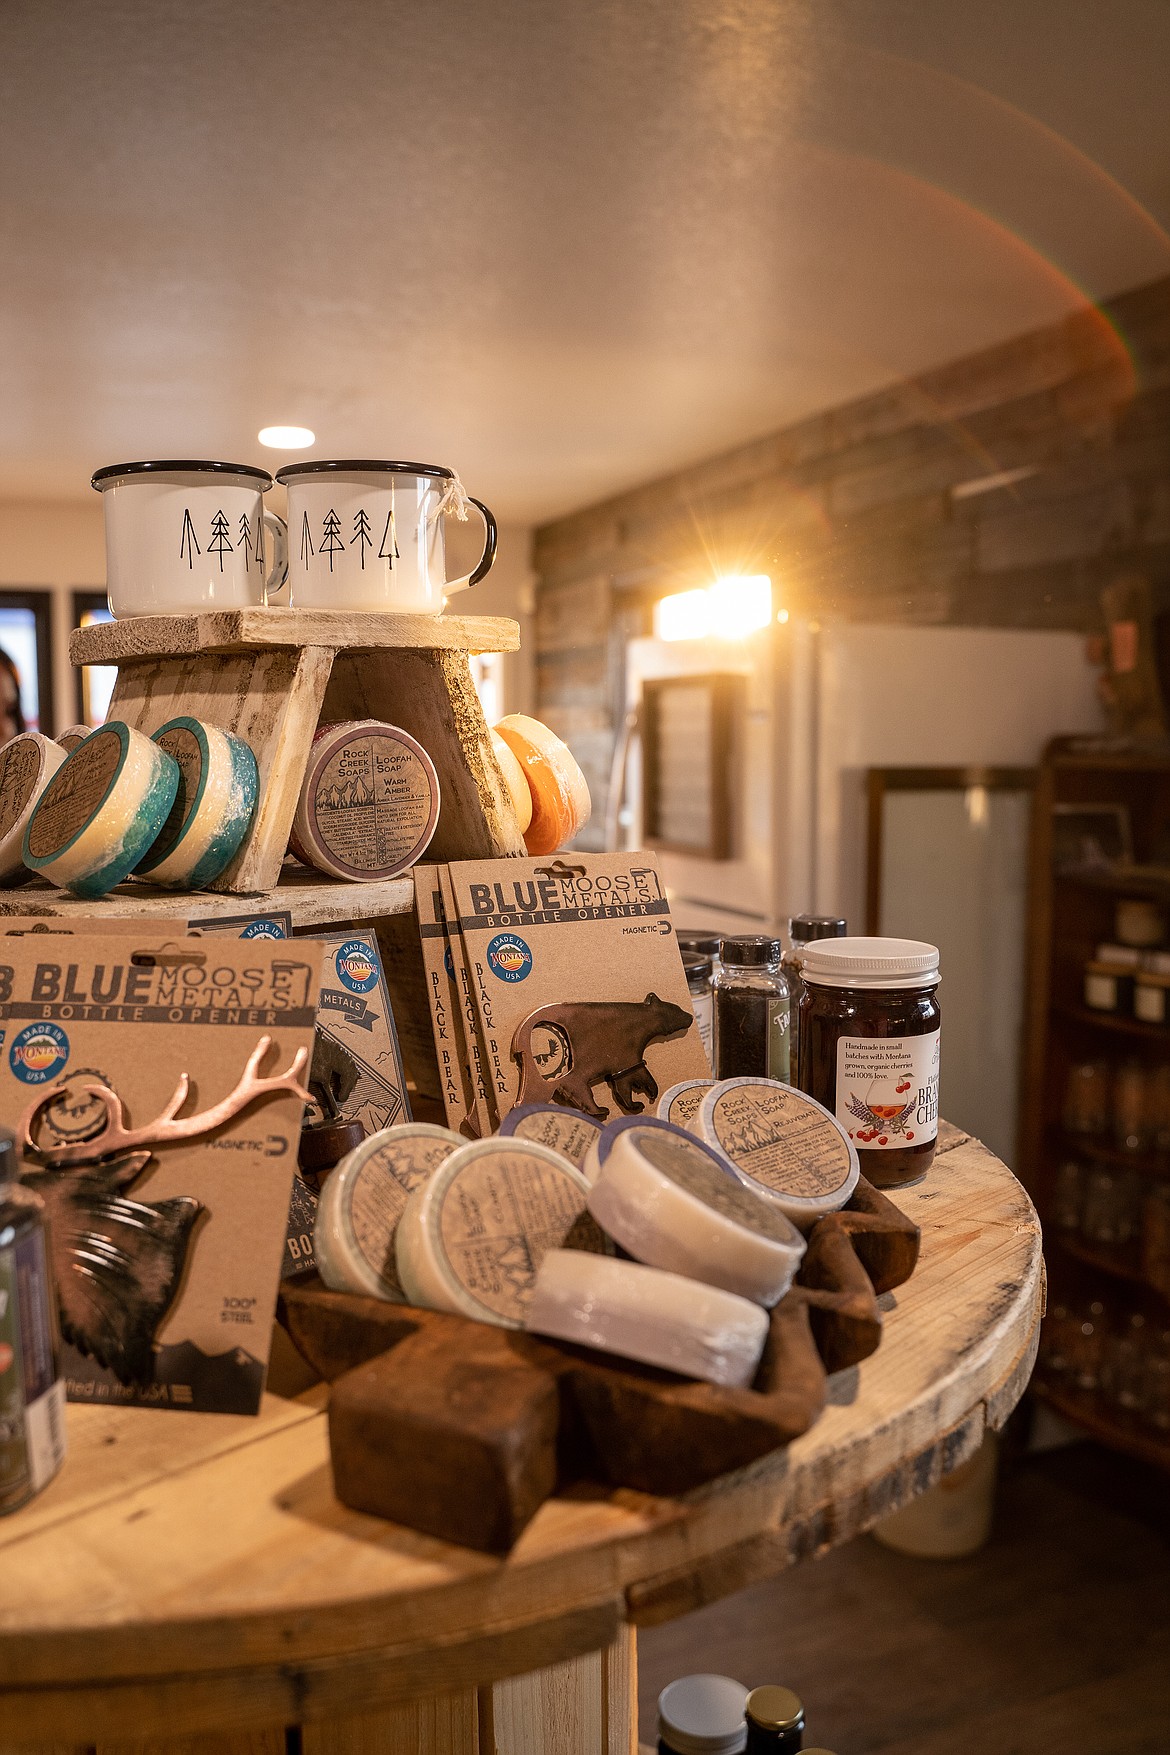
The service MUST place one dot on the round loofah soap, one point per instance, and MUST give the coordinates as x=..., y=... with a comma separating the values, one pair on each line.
x=219, y=787
x=560, y=791
x=27, y=764
x=514, y=780
x=72, y=735
x=102, y=810
x=369, y=802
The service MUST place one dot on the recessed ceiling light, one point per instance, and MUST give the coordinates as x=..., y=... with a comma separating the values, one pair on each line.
x=287, y=438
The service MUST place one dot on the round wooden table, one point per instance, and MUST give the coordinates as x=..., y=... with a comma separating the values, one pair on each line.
x=190, y=1582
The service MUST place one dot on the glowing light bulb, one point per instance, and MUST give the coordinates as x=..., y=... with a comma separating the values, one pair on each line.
x=287, y=438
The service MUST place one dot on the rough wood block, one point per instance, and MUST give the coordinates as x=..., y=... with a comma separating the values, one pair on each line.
x=311, y=899
x=270, y=698
x=431, y=695
x=457, y=1442
x=137, y=637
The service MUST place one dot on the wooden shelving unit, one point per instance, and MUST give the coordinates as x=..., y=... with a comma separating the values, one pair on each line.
x=1070, y=914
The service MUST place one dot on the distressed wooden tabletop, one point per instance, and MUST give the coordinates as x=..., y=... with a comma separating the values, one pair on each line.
x=186, y=1571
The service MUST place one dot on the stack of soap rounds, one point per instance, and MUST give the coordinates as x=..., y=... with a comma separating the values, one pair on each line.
x=219, y=788
x=672, y=1203
x=560, y=791
x=368, y=804
x=27, y=764
x=363, y=1201
x=102, y=810
x=783, y=1143
x=645, y=1314
x=472, y=1237
x=568, y=1131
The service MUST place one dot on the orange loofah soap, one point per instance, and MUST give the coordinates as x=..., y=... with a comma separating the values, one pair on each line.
x=560, y=792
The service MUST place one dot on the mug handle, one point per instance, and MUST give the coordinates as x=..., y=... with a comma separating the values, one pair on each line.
x=489, y=546
x=278, y=577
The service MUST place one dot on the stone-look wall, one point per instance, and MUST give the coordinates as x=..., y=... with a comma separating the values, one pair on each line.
x=861, y=513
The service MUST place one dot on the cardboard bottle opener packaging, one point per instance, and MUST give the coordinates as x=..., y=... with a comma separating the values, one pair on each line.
x=167, y=1250
x=579, y=988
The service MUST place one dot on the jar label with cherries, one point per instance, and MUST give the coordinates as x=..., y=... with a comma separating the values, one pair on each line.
x=887, y=1089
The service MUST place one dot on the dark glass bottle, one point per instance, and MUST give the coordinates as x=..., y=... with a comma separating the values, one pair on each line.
x=803, y=930
x=869, y=1049
x=752, y=1011
x=775, y=1721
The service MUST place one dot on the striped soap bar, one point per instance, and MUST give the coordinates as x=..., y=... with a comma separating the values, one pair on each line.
x=102, y=810
x=219, y=787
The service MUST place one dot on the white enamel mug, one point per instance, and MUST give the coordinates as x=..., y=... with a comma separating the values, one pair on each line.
x=369, y=535
x=185, y=537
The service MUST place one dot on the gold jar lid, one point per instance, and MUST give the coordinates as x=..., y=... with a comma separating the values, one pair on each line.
x=774, y=1709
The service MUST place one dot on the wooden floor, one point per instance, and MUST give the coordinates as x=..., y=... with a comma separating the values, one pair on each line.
x=1055, y=1637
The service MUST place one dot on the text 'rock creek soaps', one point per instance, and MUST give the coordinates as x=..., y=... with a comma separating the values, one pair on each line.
x=27, y=764
x=363, y=1200
x=368, y=804
x=219, y=787
x=472, y=1238
x=102, y=811
x=782, y=1142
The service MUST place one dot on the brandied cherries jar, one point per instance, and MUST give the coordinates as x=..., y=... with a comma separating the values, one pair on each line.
x=869, y=1049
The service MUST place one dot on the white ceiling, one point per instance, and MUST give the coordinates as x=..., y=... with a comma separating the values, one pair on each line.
x=564, y=245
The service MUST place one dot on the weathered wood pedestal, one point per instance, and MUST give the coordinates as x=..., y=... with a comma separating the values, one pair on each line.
x=189, y=1583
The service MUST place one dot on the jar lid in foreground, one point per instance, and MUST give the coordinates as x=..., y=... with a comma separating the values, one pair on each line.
x=755, y=950
x=774, y=1709
x=703, y=1715
x=871, y=962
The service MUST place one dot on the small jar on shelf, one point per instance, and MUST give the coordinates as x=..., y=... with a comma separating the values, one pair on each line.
x=1086, y=1098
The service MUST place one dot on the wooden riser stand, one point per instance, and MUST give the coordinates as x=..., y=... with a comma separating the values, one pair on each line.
x=272, y=675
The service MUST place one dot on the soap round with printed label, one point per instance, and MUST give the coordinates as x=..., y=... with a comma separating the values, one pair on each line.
x=364, y=1198
x=568, y=1131
x=668, y=1200
x=560, y=792
x=28, y=762
x=72, y=736
x=783, y=1143
x=613, y=1131
x=219, y=787
x=681, y=1104
x=514, y=780
x=102, y=810
x=368, y=804
x=647, y=1314
x=471, y=1238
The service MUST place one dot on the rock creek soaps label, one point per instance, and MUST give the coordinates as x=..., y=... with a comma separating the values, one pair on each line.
x=782, y=1139
x=683, y=1107
x=564, y=1131
x=75, y=793
x=887, y=1089
x=378, y=1193
x=498, y=1218
x=21, y=762
x=369, y=804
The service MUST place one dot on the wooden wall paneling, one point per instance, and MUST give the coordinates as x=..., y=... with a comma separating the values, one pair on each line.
x=270, y=1742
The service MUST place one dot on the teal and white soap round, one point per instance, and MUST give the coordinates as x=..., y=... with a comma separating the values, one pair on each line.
x=102, y=811
x=219, y=787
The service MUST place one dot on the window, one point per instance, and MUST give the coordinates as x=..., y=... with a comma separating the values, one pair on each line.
x=26, y=635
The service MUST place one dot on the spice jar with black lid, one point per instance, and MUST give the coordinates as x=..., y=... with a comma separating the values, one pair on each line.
x=803, y=930
x=869, y=1049
x=752, y=1011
